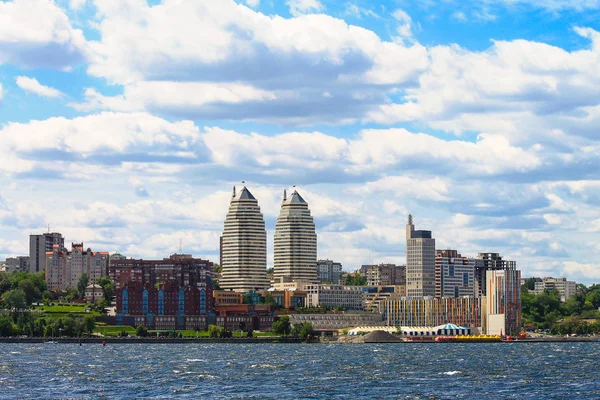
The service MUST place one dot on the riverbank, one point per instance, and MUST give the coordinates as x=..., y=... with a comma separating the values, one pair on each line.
x=139, y=340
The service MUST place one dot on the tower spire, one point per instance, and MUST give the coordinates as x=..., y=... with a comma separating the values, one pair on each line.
x=284, y=194
x=233, y=191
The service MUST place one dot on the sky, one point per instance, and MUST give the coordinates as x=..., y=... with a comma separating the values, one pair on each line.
x=125, y=124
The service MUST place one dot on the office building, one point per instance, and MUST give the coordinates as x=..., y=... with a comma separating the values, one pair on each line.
x=489, y=262
x=64, y=268
x=333, y=296
x=454, y=274
x=329, y=271
x=295, y=251
x=39, y=245
x=565, y=288
x=384, y=274
x=420, y=262
x=464, y=311
x=244, y=245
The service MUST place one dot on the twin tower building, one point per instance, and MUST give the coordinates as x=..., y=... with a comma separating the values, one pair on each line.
x=244, y=243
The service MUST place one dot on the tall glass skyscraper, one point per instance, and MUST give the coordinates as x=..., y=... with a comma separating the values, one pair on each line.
x=244, y=245
x=295, y=241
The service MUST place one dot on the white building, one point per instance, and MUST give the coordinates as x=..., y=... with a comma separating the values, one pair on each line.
x=244, y=245
x=454, y=274
x=347, y=297
x=295, y=252
x=94, y=293
x=329, y=271
x=565, y=288
x=420, y=262
x=64, y=268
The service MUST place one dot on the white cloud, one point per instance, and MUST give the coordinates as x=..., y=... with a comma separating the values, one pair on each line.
x=77, y=4
x=253, y=3
x=33, y=86
x=38, y=34
x=459, y=16
x=581, y=270
x=1, y=92
x=405, y=23
x=300, y=7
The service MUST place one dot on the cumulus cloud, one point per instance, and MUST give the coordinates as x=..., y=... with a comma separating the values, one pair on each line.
x=38, y=34
x=300, y=7
x=33, y=86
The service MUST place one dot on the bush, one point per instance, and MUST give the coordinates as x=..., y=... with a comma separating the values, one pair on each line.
x=141, y=331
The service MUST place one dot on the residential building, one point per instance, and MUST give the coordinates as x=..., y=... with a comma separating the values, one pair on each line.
x=39, y=245
x=16, y=264
x=384, y=274
x=420, y=262
x=332, y=296
x=94, y=293
x=329, y=271
x=565, y=288
x=295, y=251
x=244, y=245
x=182, y=269
x=64, y=268
x=503, y=302
x=454, y=274
x=489, y=262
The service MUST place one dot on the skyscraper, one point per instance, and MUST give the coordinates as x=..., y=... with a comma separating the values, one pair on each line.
x=244, y=245
x=39, y=245
x=420, y=262
x=295, y=241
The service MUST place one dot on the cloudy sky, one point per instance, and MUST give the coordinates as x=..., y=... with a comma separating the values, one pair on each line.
x=124, y=124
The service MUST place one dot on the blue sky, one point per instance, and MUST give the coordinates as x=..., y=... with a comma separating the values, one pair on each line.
x=125, y=124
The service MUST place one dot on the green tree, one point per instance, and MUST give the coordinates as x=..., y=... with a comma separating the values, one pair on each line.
x=15, y=298
x=355, y=280
x=282, y=326
x=529, y=283
x=141, y=331
x=82, y=284
x=303, y=330
x=214, y=331
x=6, y=327
x=89, y=323
x=46, y=296
x=108, y=286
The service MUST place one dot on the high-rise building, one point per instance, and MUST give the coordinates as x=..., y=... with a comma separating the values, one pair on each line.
x=244, y=245
x=503, y=302
x=329, y=271
x=454, y=274
x=489, y=262
x=39, y=245
x=420, y=262
x=295, y=250
x=64, y=268
x=384, y=274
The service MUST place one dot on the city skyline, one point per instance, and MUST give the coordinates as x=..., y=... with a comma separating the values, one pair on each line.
x=478, y=118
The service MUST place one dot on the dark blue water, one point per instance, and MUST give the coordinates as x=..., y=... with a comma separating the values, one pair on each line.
x=297, y=371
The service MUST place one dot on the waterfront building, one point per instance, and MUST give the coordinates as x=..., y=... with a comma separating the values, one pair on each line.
x=374, y=296
x=295, y=251
x=64, y=268
x=503, y=302
x=287, y=298
x=244, y=245
x=489, y=262
x=384, y=274
x=16, y=264
x=420, y=262
x=39, y=245
x=257, y=317
x=430, y=311
x=332, y=296
x=329, y=271
x=566, y=289
x=334, y=322
x=454, y=274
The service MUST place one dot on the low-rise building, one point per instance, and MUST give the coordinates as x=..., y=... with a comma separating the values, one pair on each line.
x=258, y=317
x=94, y=293
x=384, y=274
x=287, y=298
x=431, y=311
x=332, y=322
x=566, y=289
x=329, y=271
x=227, y=297
x=332, y=296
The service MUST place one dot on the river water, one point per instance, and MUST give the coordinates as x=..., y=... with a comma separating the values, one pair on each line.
x=301, y=371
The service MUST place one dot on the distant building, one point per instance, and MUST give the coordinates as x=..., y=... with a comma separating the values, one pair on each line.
x=334, y=322
x=295, y=241
x=288, y=298
x=227, y=297
x=454, y=274
x=503, y=302
x=329, y=271
x=94, y=293
x=332, y=296
x=384, y=274
x=374, y=296
x=257, y=317
x=489, y=262
x=244, y=245
x=420, y=262
x=64, y=268
x=39, y=245
x=464, y=311
x=16, y=264
x=566, y=289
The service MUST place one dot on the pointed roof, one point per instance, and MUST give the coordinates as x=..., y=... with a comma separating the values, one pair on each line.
x=294, y=198
x=244, y=194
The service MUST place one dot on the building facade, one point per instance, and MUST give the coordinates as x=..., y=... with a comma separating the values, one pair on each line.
x=384, y=274
x=503, y=302
x=420, y=262
x=244, y=245
x=295, y=251
x=329, y=271
x=431, y=311
x=39, y=245
x=64, y=268
x=332, y=296
x=454, y=274
x=489, y=262
x=16, y=264
x=566, y=289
